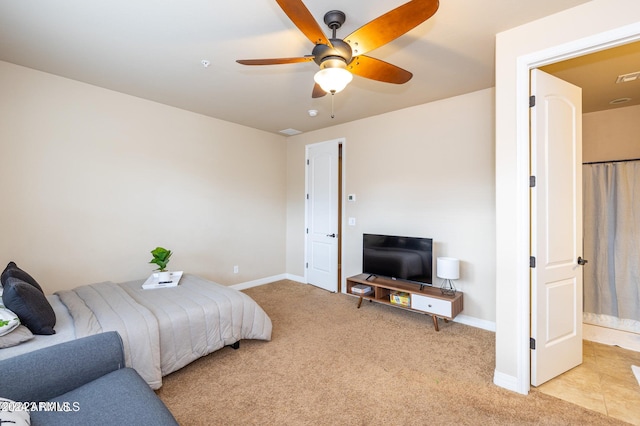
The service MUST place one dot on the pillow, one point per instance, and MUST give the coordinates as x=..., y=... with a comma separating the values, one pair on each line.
x=17, y=336
x=8, y=321
x=12, y=270
x=12, y=413
x=31, y=306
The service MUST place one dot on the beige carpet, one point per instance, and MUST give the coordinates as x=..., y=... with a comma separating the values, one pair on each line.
x=331, y=364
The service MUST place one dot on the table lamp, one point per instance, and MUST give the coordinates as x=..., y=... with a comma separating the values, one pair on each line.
x=448, y=268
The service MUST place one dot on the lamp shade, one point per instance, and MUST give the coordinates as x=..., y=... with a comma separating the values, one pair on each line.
x=448, y=268
x=333, y=77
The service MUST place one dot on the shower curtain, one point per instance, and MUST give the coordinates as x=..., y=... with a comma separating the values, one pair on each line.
x=611, y=198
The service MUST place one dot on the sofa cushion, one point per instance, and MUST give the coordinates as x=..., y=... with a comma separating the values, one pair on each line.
x=120, y=397
x=17, y=336
x=54, y=370
x=12, y=270
x=11, y=413
x=30, y=304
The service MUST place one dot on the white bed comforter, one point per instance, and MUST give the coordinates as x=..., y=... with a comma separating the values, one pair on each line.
x=165, y=329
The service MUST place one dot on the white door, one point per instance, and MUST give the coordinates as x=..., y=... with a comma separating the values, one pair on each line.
x=556, y=227
x=322, y=215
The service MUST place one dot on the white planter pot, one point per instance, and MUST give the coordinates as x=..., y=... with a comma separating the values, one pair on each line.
x=164, y=277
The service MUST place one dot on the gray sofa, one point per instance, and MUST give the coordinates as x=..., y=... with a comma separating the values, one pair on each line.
x=89, y=381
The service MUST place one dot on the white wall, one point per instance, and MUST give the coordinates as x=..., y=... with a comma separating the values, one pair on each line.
x=541, y=42
x=611, y=135
x=425, y=171
x=92, y=180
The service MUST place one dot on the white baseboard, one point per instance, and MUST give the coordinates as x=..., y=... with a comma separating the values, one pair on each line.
x=476, y=322
x=297, y=278
x=261, y=281
x=505, y=381
x=267, y=280
x=612, y=337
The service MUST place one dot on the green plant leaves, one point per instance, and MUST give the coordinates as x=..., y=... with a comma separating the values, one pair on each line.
x=160, y=257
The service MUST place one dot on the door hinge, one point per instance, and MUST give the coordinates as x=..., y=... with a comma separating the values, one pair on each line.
x=307, y=196
x=307, y=230
x=532, y=343
x=532, y=101
x=306, y=265
x=532, y=181
x=532, y=262
x=307, y=161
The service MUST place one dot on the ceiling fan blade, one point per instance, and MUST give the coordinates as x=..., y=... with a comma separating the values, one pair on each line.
x=375, y=69
x=391, y=25
x=276, y=61
x=317, y=91
x=304, y=20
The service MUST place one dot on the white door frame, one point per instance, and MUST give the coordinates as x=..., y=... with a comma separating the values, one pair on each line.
x=341, y=220
x=524, y=64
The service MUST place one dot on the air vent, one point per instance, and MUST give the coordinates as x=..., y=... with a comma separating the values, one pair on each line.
x=619, y=101
x=290, y=132
x=625, y=78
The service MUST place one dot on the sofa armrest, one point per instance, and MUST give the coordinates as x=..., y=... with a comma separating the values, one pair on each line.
x=46, y=373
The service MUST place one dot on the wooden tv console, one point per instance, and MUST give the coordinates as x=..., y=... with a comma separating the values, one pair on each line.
x=428, y=300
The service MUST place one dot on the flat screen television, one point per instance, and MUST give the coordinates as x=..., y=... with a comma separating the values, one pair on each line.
x=402, y=258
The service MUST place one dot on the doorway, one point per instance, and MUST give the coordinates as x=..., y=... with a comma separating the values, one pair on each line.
x=580, y=57
x=607, y=364
x=518, y=51
x=610, y=88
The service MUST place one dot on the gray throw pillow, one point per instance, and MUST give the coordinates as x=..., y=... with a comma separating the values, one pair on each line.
x=30, y=305
x=12, y=270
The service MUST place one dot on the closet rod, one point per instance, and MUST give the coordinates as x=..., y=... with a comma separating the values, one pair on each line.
x=611, y=161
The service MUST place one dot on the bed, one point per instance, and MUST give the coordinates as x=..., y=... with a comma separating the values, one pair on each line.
x=162, y=329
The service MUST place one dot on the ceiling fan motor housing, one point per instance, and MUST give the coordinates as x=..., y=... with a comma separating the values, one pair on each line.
x=340, y=50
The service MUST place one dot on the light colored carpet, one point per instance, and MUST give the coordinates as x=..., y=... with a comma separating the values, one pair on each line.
x=331, y=364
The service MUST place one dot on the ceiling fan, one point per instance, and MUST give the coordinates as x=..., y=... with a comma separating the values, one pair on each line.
x=338, y=58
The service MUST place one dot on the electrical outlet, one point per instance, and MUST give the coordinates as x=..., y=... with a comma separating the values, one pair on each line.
x=236, y=269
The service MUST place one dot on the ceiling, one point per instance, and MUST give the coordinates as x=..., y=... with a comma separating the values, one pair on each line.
x=597, y=75
x=153, y=50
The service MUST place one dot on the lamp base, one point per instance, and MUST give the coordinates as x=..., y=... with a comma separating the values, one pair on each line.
x=448, y=288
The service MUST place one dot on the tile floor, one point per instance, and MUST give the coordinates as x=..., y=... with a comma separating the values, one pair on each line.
x=604, y=382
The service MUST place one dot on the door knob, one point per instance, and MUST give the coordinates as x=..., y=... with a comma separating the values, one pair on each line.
x=331, y=235
x=582, y=261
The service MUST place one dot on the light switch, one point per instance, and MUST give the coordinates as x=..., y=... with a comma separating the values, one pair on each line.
x=351, y=197
x=352, y=221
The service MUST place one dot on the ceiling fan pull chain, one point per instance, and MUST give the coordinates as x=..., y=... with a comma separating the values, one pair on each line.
x=333, y=93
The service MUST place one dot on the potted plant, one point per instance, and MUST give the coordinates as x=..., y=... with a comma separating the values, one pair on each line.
x=161, y=257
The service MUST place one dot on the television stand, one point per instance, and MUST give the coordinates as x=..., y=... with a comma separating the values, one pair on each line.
x=426, y=300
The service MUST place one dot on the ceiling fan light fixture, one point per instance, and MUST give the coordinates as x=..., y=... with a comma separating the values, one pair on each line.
x=333, y=77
